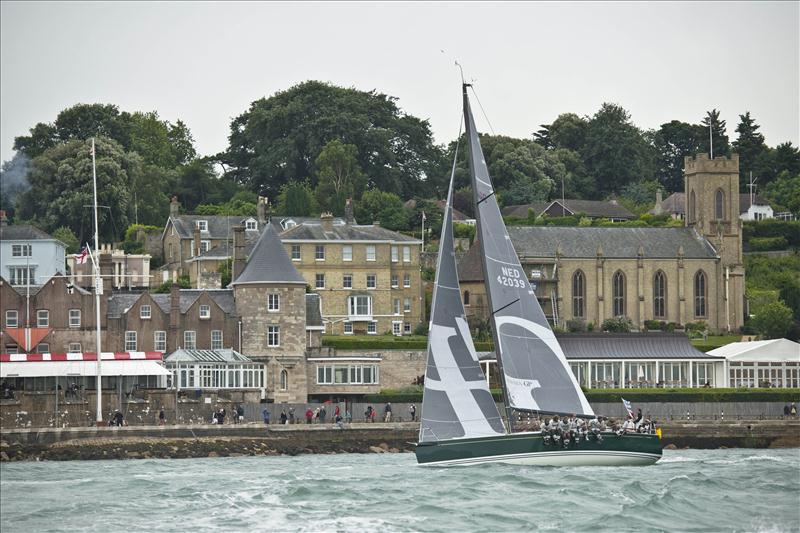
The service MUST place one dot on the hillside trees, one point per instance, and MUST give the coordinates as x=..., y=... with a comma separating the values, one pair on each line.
x=280, y=138
x=339, y=176
x=61, y=188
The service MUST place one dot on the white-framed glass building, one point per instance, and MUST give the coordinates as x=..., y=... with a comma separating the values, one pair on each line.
x=632, y=361
x=215, y=369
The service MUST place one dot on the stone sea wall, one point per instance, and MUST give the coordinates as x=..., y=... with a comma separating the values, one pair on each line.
x=173, y=442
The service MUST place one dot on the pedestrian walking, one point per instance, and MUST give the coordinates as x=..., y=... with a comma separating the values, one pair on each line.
x=265, y=415
x=412, y=411
x=162, y=417
x=387, y=412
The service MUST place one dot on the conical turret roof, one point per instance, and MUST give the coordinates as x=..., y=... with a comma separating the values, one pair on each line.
x=269, y=262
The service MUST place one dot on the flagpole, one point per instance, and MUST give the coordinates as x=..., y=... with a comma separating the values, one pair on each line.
x=98, y=290
x=710, y=140
x=423, y=231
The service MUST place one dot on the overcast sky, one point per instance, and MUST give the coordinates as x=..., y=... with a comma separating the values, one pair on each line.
x=205, y=63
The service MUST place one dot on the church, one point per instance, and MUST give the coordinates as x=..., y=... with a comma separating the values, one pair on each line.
x=585, y=275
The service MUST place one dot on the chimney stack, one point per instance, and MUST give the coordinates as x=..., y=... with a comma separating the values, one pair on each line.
x=238, y=252
x=174, y=313
x=174, y=207
x=348, y=212
x=196, y=242
x=327, y=221
x=3, y=219
x=106, y=272
x=262, y=211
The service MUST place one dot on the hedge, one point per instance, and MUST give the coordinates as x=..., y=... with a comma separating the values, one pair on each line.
x=385, y=342
x=771, y=227
x=641, y=395
x=768, y=244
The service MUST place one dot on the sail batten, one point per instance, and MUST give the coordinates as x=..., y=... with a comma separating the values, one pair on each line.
x=456, y=402
x=535, y=372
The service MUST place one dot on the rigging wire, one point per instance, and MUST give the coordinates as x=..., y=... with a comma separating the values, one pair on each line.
x=482, y=110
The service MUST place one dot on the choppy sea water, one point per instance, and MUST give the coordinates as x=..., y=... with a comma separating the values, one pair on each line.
x=689, y=490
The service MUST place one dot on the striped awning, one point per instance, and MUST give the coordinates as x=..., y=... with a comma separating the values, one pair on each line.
x=81, y=364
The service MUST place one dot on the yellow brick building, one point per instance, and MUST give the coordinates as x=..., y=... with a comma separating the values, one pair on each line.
x=367, y=277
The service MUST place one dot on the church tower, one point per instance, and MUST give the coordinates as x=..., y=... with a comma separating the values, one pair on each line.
x=712, y=209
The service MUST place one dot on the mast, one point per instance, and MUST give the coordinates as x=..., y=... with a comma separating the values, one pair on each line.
x=468, y=126
x=98, y=290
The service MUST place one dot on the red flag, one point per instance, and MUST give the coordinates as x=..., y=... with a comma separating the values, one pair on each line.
x=81, y=257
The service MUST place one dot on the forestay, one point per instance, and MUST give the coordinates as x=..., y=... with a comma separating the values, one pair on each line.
x=536, y=374
x=456, y=402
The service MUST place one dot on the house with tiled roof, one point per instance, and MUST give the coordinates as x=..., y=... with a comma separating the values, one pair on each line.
x=751, y=207
x=592, y=209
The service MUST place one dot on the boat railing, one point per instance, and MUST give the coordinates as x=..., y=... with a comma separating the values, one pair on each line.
x=426, y=431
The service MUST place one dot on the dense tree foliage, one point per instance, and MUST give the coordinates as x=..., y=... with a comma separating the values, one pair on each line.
x=296, y=199
x=339, y=176
x=750, y=146
x=280, y=138
x=61, y=189
x=383, y=207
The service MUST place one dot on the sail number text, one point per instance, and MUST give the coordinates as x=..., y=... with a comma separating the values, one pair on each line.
x=512, y=277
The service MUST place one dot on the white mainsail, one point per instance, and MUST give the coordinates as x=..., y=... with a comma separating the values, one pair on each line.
x=456, y=402
x=536, y=375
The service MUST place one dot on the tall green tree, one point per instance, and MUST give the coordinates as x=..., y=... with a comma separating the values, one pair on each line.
x=339, y=176
x=279, y=138
x=615, y=151
x=750, y=146
x=673, y=142
x=718, y=135
x=296, y=199
x=384, y=207
x=61, y=189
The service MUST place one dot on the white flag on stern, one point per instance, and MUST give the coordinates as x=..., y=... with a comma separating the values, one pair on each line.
x=628, y=406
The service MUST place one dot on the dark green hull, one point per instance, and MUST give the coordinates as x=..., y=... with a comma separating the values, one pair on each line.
x=529, y=448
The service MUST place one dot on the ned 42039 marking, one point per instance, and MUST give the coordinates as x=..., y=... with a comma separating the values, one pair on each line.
x=512, y=277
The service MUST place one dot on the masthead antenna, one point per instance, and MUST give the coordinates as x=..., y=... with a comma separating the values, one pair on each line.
x=463, y=81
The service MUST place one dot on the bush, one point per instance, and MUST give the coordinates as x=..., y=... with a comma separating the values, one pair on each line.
x=766, y=244
x=620, y=324
x=421, y=329
x=771, y=227
x=654, y=325
x=576, y=326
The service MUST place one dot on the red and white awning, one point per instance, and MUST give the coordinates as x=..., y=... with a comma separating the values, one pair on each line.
x=81, y=364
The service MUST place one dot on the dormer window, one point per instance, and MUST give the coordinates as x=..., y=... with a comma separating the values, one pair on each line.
x=250, y=225
x=202, y=225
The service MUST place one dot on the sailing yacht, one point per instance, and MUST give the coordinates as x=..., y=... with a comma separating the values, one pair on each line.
x=460, y=423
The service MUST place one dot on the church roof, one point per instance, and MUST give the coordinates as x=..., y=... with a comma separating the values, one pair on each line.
x=583, y=243
x=269, y=262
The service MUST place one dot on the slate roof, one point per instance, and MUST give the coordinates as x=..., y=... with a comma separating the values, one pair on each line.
x=219, y=226
x=676, y=203
x=24, y=232
x=206, y=356
x=120, y=302
x=269, y=262
x=592, y=208
x=582, y=242
x=313, y=311
x=313, y=231
x=624, y=346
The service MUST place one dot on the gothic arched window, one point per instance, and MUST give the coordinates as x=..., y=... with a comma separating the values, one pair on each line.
x=660, y=295
x=466, y=297
x=700, y=288
x=692, y=204
x=284, y=380
x=578, y=294
x=618, y=295
x=719, y=205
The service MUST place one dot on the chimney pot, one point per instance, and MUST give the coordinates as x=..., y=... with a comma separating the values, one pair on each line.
x=238, y=251
x=327, y=221
x=174, y=207
x=348, y=211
